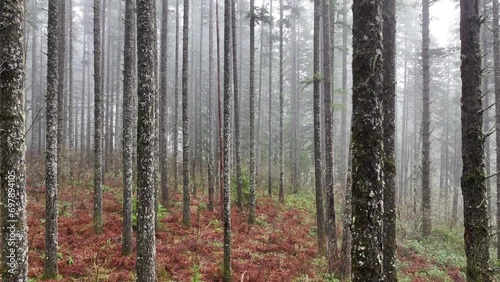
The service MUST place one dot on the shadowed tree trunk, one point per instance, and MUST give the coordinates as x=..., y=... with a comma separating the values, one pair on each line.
x=426, y=122
x=345, y=271
x=163, y=105
x=211, y=184
x=331, y=230
x=239, y=179
x=51, y=183
x=227, y=139
x=146, y=91
x=185, y=117
x=128, y=120
x=367, y=142
x=496, y=61
x=70, y=90
x=281, y=150
x=473, y=182
x=269, y=172
x=12, y=141
x=176, y=99
x=61, y=61
x=98, y=121
x=320, y=214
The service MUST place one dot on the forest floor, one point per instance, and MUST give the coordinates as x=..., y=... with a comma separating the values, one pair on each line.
x=281, y=246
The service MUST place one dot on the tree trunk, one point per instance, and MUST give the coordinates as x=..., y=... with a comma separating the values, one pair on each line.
x=98, y=121
x=331, y=230
x=239, y=180
x=185, y=117
x=211, y=184
x=295, y=103
x=345, y=271
x=12, y=142
x=473, y=182
x=281, y=147
x=51, y=183
x=130, y=66
x=426, y=122
x=271, y=26
x=163, y=106
x=71, y=92
x=146, y=90
x=251, y=214
x=60, y=86
x=228, y=4
x=318, y=173
x=389, y=125
x=496, y=62
x=343, y=115
x=176, y=99
x=82, y=113
x=367, y=142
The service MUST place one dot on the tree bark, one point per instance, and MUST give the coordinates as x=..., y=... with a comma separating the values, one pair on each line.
x=496, y=62
x=146, y=91
x=271, y=26
x=367, y=142
x=176, y=99
x=98, y=120
x=251, y=214
x=211, y=184
x=426, y=122
x=164, y=105
x=318, y=173
x=60, y=86
x=12, y=142
x=473, y=182
x=185, y=118
x=389, y=125
x=51, y=179
x=129, y=70
x=281, y=190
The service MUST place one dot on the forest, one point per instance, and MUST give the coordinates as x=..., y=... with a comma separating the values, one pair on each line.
x=250, y=140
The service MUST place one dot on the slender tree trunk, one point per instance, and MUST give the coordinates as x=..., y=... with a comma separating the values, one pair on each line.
x=473, y=182
x=294, y=106
x=426, y=121
x=12, y=142
x=51, y=179
x=260, y=118
x=146, y=90
x=129, y=65
x=36, y=109
x=281, y=150
x=84, y=89
x=331, y=230
x=345, y=272
x=176, y=98
x=456, y=181
x=211, y=184
x=185, y=118
x=164, y=105
x=318, y=173
x=343, y=116
x=271, y=26
x=496, y=62
x=389, y=126
x=71, y=92
x=251, y=214
x=60, y=86
x=98, y=121
x=228, y=4
x=367, y=142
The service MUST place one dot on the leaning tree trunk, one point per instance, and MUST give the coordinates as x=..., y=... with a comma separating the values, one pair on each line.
x=185, y=117
x=389, y=125
x=426, y=121
x=318, y=173
x=146, y=91
x=473, y=182
x=98, y=120
x=367, y=142
x=12, y=142
x=129, y=66
x=227, y=141
x=51, y=182
x=331, y=230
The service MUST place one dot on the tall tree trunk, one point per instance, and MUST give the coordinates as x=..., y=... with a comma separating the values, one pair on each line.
x=146, y=91
x=98, y=120
x=36, y=109
x=282, y=102
x=185, y=117
x=176, y=99
x=345, y=271
x=294, y=106
x=71, y=92
x=318, y=173
x=12, y=144
x=239, y=179
x=211, y=184
x=228, y=4
x=456, y=180
x=271, y=26
x=60, y=86
x=251, y=214
x=426, y=122
x=473, y=182
x=84, y=90
x=129, y=70
x=343, y=115
x=51, y=183
x=496, y=62
x=389, y=125
x=163, y=105
x=331, y=230
x=367, y=142
x=260, y=117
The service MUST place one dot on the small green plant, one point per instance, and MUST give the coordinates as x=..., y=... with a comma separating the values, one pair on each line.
x=196, y=273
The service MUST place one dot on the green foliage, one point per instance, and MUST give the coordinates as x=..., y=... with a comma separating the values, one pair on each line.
x=245, y=181
x=196, y=273
x=162, y=212
x=435, y=274
x=302, y=201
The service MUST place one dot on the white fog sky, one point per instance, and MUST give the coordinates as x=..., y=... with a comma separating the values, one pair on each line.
x=444, y=17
